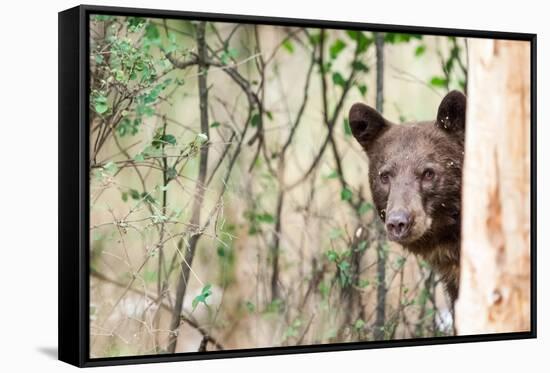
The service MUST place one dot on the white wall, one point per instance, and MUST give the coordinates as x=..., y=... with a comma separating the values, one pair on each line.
x=28, y=305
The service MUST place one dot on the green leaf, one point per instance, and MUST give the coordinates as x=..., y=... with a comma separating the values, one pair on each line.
x=128, y=127
x=123, y=127
x=215, y=125
x=119, y=75
x=201, y=298
x=352, y=34
x=229, y=54
x=287, y=44
x=362, y=246
x=154, y=93
x=364, y=208
x=111, y=168
x=152, y=151
x=336, y=48
x=346, y=194
x=360, y=66
x=363, y=42
x=135, y=23
x=359, y=324
x=419, y=51
x=265, y=218
x=150, y=276
x=166, y=139
x=362, y=89
x=224, y=57
x=255, y=120
x=170, y=139
x=99, y=59
x=139, y=157
x=152, y=33
x=344, y=268
x=347, y=128
x=134, y=194
x=315, y=39
x=338, y=79
x=332, y=256
x=438, y=81
x=333, y=175
x=100, y=104
x=389, y=37
x=396, y=37
x=250, y=306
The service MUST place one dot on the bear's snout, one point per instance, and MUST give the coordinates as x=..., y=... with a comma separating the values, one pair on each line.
x=398, y=225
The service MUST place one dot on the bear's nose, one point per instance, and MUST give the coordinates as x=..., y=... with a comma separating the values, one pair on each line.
x=398, y=224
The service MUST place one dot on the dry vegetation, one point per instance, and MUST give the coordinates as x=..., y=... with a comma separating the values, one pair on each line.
x=229, y=203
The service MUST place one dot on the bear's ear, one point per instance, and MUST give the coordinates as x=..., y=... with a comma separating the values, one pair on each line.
x=366, y=123
x=451, y=115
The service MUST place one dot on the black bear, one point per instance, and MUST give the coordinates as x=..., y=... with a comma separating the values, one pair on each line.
x=415, y=174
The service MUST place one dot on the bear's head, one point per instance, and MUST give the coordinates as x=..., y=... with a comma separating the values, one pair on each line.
x=415, y=171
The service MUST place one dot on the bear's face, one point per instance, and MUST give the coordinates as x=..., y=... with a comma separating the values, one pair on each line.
x=415, y=171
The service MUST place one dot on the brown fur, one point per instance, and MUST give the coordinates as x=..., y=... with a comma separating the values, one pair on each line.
x=401, y=160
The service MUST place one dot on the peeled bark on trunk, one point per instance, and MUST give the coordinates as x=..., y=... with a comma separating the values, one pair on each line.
x=495, y=262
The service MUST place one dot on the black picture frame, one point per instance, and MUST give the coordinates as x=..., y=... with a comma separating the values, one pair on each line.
x=74, y=274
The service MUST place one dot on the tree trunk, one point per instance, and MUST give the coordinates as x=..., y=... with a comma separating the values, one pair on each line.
x=495, y=262
x=185, y=265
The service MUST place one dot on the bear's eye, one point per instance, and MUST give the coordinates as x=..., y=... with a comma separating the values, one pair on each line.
x=385, y=177
x=428, y=174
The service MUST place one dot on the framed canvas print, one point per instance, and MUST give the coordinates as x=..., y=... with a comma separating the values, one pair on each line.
x=234, y=186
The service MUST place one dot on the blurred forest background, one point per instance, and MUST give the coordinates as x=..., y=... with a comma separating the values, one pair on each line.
x=229, y=203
